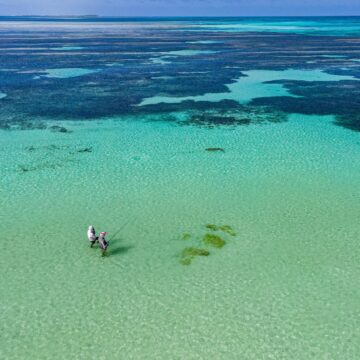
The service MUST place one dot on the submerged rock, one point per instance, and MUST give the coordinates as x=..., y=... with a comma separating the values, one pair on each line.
x=23, y=168
x=60, y=129
x=30, y=148
x=85, y=150
x=213, y=240
x=215, y=149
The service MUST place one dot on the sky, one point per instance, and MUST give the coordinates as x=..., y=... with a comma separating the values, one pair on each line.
x=181, y=7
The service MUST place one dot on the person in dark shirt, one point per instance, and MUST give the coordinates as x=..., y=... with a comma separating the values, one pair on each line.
x=103, y=243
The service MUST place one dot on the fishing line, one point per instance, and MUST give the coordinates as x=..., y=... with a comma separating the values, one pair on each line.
x=111, y=259
x=122, y=227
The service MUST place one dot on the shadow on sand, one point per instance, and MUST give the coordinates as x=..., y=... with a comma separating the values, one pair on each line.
x=116, y=249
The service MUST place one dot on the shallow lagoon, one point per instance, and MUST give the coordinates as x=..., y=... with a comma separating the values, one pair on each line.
x=189, y=52
x=67, y=48
x=67, y=72
x=254, y=84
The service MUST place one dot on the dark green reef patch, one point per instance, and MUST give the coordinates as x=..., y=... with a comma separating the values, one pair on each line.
x=239, y=115
x=224, y=228
x=214, y=240
x=210, y=240
x=339, y=98
x=185, y=236
x=59, y=129
x=212, y=227
x=189, y=253
x=227, y=229
x=349, y=121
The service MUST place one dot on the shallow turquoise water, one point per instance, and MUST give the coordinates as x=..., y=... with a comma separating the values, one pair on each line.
x=166, y=57
x=254, y=84
x=65, y=73
x=68, y=48
x=285, y=287
x=189, y=52
x=309, y=26
x=204, y=42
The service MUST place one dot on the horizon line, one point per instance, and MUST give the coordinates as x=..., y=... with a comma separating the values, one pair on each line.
x=175, y=16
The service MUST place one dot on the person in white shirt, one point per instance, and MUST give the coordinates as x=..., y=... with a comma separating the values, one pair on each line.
x=91, y=234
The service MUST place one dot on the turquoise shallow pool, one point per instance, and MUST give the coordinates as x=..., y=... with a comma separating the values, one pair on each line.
x=254, y=84
x=177, y=142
